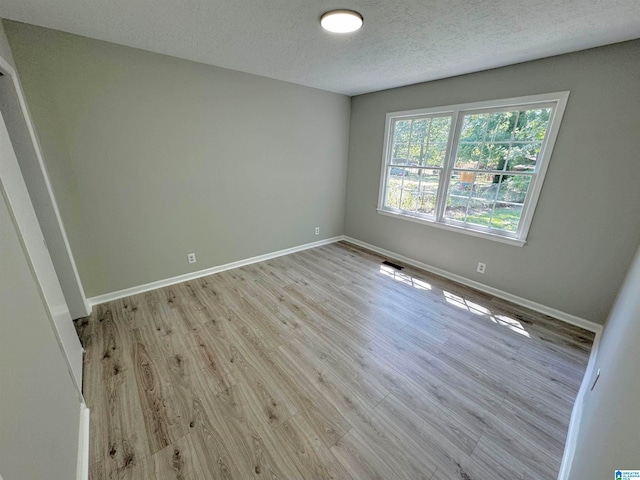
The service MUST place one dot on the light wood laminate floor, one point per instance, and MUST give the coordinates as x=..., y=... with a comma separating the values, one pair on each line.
x=326, y=364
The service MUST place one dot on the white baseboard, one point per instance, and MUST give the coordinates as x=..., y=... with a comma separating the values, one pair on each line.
x=127, y=292
x=87, y=306
x=83, y=445
x=538, y=307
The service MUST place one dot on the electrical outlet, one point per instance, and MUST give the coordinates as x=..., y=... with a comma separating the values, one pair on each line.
x=191, y=257
x=317, y=230
x=481, y=267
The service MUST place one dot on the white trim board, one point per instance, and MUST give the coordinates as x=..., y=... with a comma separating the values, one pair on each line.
x=127, y=292
x=538, y=307
x=82, y=472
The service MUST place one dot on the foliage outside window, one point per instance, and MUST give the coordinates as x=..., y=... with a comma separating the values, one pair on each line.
x=476, y=168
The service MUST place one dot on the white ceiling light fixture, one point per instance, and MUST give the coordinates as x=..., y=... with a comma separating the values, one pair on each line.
x=341, y=21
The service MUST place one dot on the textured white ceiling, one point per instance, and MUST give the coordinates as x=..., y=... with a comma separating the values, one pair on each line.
x=402, y=41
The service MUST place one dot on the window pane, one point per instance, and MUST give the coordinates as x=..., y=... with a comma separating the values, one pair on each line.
x=440, y=129
x=532, y=124
x=410, y=192
x=419, y=131
x=413, y=189
x=502, y=140
x=479, y=212
x=523, y=156
x=460, y=189
x=401, y=131
x=400, y=154
x=484, y=187
x=420, y=141
x=487, y=200
x=501, y=126
x=394, y=187
x=434, y=156
x=513, y=188
x=469, y=155
x=494, y=156
x=416, y=151
x=429, y=182
x=506, y=217
x=474, y=128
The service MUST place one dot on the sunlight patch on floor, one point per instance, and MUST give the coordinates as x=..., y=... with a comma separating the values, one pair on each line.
x=477, y=309
x=398, y=276
x=456, y=300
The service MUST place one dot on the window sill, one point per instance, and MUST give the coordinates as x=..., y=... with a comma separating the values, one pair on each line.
x=453, y=228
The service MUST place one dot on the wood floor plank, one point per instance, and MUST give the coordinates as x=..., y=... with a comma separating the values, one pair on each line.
x=427, y=365
x=336, y=356
x=275, y=405
x=494, y=458
x=237, y=414
x=500, y=433
x=312, y=457
x=180, y=461
x=361, y=460
x=472, y=405
x=117, y=443
x=417, y=436
x=208, y=436
x=319, y=412
x=327, y=364
x=465, y=469
x=544, y=431
x=418, y=396
x=347, y=401
x=163, y=421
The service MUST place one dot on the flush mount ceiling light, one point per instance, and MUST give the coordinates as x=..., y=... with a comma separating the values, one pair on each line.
x=341, y=21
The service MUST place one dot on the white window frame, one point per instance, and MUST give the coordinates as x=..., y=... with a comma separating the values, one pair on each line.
x=557, y=101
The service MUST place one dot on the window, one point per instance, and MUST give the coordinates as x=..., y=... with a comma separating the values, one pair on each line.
x=475, y=168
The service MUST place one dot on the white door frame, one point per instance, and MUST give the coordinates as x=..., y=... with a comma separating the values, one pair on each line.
x=13, y=191
x=21, y=208
x=84, y=306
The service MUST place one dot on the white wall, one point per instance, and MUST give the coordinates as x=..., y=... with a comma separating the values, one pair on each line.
x=608, y=429
x=585, y=228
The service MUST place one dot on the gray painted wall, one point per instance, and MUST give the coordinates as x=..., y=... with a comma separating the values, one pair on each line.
x=609, y=425
x=5, y=49
x=39, y=407
x=585, y=229
x=152, y=157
